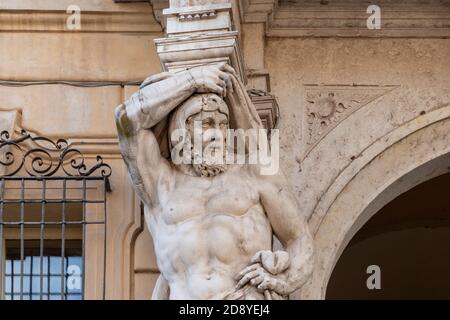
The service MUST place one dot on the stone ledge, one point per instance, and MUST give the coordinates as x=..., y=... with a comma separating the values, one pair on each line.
x=85, y=5
x=55, y=21
x=348, y=19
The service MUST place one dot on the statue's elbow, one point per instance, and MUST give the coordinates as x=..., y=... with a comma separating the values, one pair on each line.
x=118, y=112
x=123, y=124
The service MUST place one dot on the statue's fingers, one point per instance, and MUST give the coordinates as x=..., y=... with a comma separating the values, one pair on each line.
x=267, y=284
x=222, y=83
x=277, y=262
x=230, y=85
x=260, y=255
x=257, y=257
x=229, y=69
x=257, y=280
x=263, y=286
x=222, y=65
x=246, y=270
x=276, y=296
x=267, y=295
x=247, y=278
x=216, y=89
x=227, y=78
x=223, y=75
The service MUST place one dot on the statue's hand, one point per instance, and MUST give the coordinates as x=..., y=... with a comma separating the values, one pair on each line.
x=212, y=78
x=266, y=272
x=274, y=262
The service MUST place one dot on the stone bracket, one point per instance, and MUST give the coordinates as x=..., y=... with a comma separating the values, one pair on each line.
x=179, y=53
x=199, y=33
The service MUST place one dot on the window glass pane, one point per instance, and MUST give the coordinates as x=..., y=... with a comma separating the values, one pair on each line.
x=31, y=278
x=16, y=284
x=8, y=267
x=37, y=284
x=36, y=265
x=27, y=265
x=55, y=284
x=8, y=284
x=55, y=265
x=75, y=261
x=25, y=284
x=16, y=266
x=74, y=297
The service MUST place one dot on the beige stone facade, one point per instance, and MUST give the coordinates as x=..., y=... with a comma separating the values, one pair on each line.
x=364, y=114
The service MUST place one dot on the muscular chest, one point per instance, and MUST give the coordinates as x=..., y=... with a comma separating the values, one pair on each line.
x=203, y=198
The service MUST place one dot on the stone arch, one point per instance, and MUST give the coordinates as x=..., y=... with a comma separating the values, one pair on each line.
x=414, y=152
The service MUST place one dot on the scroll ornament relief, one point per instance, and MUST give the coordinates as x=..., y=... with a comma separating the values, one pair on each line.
x=329, y=105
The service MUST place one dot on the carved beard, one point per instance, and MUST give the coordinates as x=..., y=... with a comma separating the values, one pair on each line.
x=208, y=166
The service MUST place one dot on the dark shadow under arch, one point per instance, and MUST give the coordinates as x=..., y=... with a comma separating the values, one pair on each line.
x=409, y=240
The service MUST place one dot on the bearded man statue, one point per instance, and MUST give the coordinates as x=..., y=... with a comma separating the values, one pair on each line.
x=213, y=223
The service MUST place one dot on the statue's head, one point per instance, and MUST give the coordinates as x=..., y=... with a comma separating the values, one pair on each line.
x=205, y=120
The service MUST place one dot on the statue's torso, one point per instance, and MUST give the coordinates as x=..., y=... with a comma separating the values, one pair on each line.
x=206, y=230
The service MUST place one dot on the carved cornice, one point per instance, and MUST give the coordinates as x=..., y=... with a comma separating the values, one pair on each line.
x=293, y=18
x=348, y=18
x=158, y=7
x=254, y=11
x=137, y=19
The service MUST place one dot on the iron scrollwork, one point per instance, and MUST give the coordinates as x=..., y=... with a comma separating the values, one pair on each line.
x=46, y=157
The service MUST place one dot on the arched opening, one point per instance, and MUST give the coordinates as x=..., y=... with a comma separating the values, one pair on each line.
x=408, y=239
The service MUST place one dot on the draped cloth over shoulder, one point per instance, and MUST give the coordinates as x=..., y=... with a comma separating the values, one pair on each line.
x=243, y=115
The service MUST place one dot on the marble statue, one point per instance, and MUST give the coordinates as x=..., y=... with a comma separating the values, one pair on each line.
x=212, y=224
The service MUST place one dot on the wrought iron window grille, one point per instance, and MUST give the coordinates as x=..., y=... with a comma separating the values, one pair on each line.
x=52, y=218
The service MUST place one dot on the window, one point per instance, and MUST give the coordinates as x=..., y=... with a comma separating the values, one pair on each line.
x=52, y=222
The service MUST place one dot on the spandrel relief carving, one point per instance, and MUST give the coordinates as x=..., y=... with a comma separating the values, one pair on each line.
x=328, y=105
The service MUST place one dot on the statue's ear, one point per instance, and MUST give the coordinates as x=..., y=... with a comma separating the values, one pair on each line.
x=155, y=78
